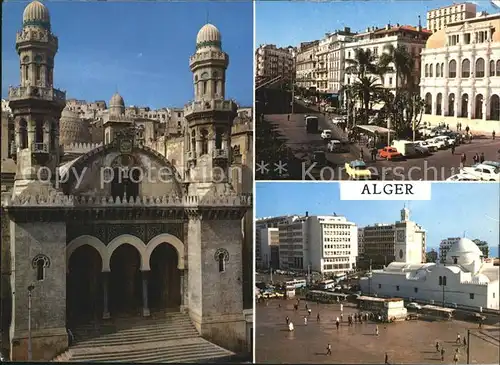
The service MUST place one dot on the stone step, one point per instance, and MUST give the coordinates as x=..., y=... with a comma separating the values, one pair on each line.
x=145, y=330
x=121, y=340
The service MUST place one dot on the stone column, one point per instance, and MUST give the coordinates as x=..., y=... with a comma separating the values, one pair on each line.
x=145, y=305
x=105, y=285
x=181, y=276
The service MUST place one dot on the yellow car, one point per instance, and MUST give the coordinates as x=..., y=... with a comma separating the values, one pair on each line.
x=357, y=170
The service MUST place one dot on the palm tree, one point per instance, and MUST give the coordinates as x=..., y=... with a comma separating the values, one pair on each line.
x=403, y=64
x=367, y=88
x=362, y=64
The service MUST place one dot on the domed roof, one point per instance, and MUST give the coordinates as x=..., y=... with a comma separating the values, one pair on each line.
x=436, y=40
x=208, y=35
x=464, y=246
x=116, y=100
x=36, y=12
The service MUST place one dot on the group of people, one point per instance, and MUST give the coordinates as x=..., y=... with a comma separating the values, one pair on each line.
x=477, y=158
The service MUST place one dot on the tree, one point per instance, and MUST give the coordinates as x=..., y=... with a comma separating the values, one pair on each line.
x=402, y=63
x=366, y=88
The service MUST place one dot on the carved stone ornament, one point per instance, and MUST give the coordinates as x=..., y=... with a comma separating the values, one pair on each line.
x=46, y=261
x=222, y=251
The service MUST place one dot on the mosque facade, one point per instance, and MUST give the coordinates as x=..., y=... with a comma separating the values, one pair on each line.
x=142, y=221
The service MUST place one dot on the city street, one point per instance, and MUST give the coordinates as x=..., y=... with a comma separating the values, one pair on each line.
x=404, y=342
x=438, y=166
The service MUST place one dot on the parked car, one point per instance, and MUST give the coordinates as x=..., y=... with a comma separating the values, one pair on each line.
x=326, y=134
x=439, y=143
x=357, y=170
x=483, y=171
x=430, y=147
x=422, y=151
x=463, y=177
x=319, y=157
x=389, y=153
x=413, y=305
x=337, y=146
x=444, y=139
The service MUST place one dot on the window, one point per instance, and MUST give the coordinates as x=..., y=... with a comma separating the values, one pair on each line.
x=415, y=290
x=40, y=270
x=466, y=68
x=397, y=287
x=380, y=286
x=498, y=68
x=455, y=261
x=430, y=70
x=467, y=38
x=390, y=81
x=452, y=69
x=471, y=295
x=493, y=295
x=480, y=67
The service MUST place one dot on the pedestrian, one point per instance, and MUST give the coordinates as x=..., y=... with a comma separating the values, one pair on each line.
x=376, y=330
x=329, y=349
x=453, y=149
x=437, y=346
x=475, y=159
x=309, y=311
x=465, y=342
x=305, y=321
x=442, y=354
x=458, y=338
x=386, y=358
x=493, y=135
x=341, y=307
x=458, y=126
x=341, y=316
x=463, y=159
x=307, y=307
x=467, y=129
x=481, y=158
x=317, y=317
x=447, y=127
x=287, y=320
x=279, y=305
x=288, y=117
x=290, y=326
x=455, y=358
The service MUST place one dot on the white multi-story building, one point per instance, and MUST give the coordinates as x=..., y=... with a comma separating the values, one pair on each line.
x=305, y=65
x=321, y=66
x=444, y=247
x=461, y=74
x=267, y=248
x=437, y=19
x=326, y=244
x=377, y=39
x=272, y=61
x=464, y=280
x=361, y=241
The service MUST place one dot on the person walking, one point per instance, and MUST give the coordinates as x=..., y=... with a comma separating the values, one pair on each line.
x=386, y=358
x=453, y=149
x=317, y=318
x=288, y=117
x=442, y=354
x=341, y=316
x=329, y=349
x=475, y=159
x=309, y=311
x=455, y=358
x=337, y=323
x=458, y=339
x=481, y=158
x=376, y=330
x=287, y=320
x=465, y=342
x=463, y=160
x=493, y=135
x=341, y=307
x=305, y=321
x=437, y=346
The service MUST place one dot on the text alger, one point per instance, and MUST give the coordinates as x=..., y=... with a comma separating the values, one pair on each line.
x=388, y=189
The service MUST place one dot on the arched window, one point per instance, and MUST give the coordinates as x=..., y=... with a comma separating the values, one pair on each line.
x=479, y=67
x=40, y=270
x=452, y=69
x=428, y=103
x=498, y=68
x=495, y=107
x=430, y=70
x=492, y=68
x=451, y=105
x=439, y=101
x=478, y=112
x=466, y=68
x=438, y=70
x=23, y=134
x=465, y=105
x=222, y=262
x=442, y=70
x=426, y=70
x=193, y=140
x=204, y=142
x=204, y=87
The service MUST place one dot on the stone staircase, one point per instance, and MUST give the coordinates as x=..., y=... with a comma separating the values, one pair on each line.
x=169, y=337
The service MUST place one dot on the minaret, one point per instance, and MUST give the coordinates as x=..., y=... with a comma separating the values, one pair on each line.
x=210, y=117
x=405, y=214
x=36, y=105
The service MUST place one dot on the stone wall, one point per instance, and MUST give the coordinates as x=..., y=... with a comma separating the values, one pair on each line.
x=49, y=295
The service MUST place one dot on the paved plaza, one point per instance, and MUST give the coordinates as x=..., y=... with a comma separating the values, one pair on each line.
x=438, y=166
x=404, y=342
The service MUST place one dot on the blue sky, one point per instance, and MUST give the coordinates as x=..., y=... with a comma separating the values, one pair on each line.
x=454, y=208
x=140, y=48
x=287, y=23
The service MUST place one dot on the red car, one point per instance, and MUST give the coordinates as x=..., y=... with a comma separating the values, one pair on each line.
x=389, y=153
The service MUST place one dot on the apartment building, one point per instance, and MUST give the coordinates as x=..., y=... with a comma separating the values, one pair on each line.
x=437, y=19
x=305, y=65
x=377, y=39
x=271, y=61
x=460, y=81
x=444, y=247
x=267, y=248
x=402, y=241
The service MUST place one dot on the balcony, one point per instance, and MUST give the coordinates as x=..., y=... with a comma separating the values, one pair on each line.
x=40, y=148
x=208, y=56
x=220, y=154
x=35, y=92
x=200, y=106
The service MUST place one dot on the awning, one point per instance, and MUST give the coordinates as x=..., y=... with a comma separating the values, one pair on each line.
x=373, y=128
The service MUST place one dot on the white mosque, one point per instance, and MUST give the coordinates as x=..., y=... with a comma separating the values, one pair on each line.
x=464, y=280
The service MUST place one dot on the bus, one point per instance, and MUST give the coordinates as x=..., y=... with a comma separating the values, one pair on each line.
x=325, y=296
x=436, y=313
x=311, y=124
x=297, y=283
x=327, y=285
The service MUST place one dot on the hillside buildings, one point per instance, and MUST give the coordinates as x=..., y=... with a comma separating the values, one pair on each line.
x=461, y=74
x=465, y=279
x=271, y=62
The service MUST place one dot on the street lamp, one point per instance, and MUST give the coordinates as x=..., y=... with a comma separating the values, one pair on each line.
x=30, y=353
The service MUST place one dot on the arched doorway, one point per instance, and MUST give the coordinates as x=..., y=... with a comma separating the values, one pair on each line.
x=428, y=103
x=84, y=286
x=451, y=105
x=125, y=284
x=495, y=107
x=479, y=107
x=439, y=102
x=164, y=280
x=465, y=106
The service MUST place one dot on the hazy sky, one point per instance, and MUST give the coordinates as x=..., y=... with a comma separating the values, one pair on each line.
x=141, y=49
x=453, y=209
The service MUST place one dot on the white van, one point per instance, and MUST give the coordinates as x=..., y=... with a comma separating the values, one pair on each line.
x=406, y=148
